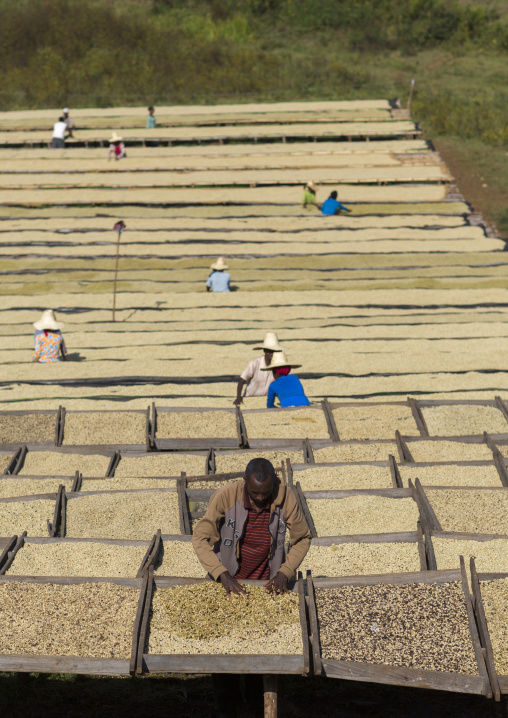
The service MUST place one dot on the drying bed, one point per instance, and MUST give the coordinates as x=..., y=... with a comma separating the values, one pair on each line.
x=31, y=515
x=464, y=419
x=227, y=635
x=447, y=450
x=18, y=486
x=177, y=558
x=127, y=484
x=342, y=513
x=317, y=477
x=452, y=474
x=373, y=421
x=226, y=462
x=482, y=511
x=160, y=464
x=68, y=557
x=355, y=452
x=64, y=463
x=364, y=555
x=70, y=625
x=122, y=514
x=113, y=428
x=196, y=428
x=24, y=427
x=280, y=424
x=489, y=552
x=405, y=629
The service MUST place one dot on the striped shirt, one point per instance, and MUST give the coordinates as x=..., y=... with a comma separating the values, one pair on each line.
x=256, y=542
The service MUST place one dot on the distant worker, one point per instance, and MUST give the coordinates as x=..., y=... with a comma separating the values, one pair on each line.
x=309, y=196
x=286, y=387
x=258, y=381
x=150, y=120
x=332, y=205
x=49, y=342
x=59, y=130
x=219, y=279
x=116, y=147
x=68, y=121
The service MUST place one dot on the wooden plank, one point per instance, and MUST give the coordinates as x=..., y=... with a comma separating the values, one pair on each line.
x=418, y=416
x=72, y=580
x=308, y=453
x=145, y=615
x=399, y=676
x=483, y=631
x=147, y=429
x=153, y=425
x=314, y=629
x=283, y=473
x=136, y=631
x=13, y=462
x=8, y=550
x=303, y=624
x=182, y=502
x=427, y=577
x=112, y=463
x=61, y=428
x=57, y=426
x=63, y=513
x=429, y=546
x=421, y=547
x=270, y=685
x=210, y=462
x=21, y=460
x=53, y=527
x=64, y=664
x=242, y=429
x=488, y=440
x=76, y=482
x=347, y=493
x=500, y=466
x=426, y=506
x=241, y=663
x=143, y=567
x=404, y=453
x=398, y=537
x=473, y=630
x=305, y=509
x=289, y=473
x=501, y=406
x=330, y=420
x=195, y=444
x=395, y=473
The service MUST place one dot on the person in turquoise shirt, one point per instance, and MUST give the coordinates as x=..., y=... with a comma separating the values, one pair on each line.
x=286, y=387
x=332, y=205
x=150, y=120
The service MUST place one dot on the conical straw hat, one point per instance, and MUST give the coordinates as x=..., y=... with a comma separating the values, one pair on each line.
x=280, y=359
x=219, y=264
x=48, y=321
x=271, y=343
x=115, y=138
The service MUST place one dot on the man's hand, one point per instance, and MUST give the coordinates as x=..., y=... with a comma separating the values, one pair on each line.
x=230, y=584
x=238, y=401
x=278, y=584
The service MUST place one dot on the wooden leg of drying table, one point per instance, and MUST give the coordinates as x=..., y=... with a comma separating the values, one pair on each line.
x=270, y=695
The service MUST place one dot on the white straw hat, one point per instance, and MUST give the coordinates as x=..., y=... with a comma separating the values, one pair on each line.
x=115, y=138
x=279, y=360
x=311, y=185
x=219, y=264
x=65, y=110
x=271, y=343
x=48, y=321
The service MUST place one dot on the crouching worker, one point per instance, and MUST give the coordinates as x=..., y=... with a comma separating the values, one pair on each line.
x=242, y=536
x=49, y=342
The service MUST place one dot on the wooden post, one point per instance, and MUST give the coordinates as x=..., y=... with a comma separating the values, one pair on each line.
x=119, y=226
x=270, y=695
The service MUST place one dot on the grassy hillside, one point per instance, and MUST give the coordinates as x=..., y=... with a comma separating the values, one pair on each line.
x=99, y=53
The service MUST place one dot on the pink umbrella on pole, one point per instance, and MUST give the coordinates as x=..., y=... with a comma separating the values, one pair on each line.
x=119, y=227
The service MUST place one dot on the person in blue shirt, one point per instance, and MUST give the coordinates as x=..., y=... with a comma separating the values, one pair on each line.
x=332, y=205
x=219, y=279
x=286, y=387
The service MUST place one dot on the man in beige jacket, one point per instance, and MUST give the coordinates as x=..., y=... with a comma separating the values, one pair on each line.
x=242, y=534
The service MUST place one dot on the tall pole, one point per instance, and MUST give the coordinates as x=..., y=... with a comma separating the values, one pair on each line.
x=119, y=226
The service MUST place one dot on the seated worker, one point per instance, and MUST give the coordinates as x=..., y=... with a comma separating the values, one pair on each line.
x=150, y=120
x=242, y=536
x=49, y=342
x=59, y=134
x=219, y=279
x=116, y=147
x=332, y=205
x=257, y=381
x=287, y=388
x=309, y=196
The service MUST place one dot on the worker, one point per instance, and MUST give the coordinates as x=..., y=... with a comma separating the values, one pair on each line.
x=49, y=342
x=256, y=380
x=242, y=536
x=332, y=205
x=150, y=120
x=116, y=147
x=219, y=279
x=287, y=388
x=59, y=130
x=309, y=196
x=68, y=121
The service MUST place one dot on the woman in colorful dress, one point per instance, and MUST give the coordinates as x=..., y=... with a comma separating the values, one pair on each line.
x=49, y=342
